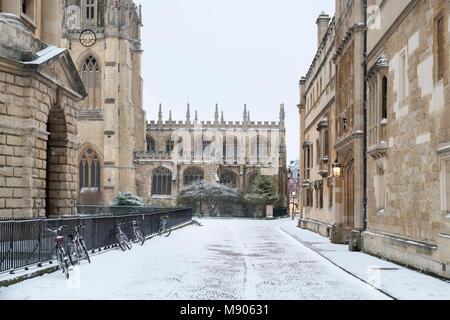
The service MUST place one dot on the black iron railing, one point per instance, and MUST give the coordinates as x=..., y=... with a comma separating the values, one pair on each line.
x=26, y=242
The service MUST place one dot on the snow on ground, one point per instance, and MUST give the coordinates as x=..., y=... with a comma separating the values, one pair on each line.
x=226, y=259
x=397, y=281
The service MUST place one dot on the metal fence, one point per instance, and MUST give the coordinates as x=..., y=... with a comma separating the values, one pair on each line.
x=26, y=242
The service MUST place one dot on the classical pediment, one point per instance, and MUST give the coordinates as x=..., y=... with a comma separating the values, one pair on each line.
x=60, y=69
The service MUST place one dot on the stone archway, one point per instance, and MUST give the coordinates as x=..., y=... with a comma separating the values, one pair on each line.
x=60, y=182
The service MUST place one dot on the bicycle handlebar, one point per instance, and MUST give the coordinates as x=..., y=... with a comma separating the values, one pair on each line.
x=55, y=231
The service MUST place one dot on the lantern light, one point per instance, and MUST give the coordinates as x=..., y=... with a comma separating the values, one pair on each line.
x=337, y=169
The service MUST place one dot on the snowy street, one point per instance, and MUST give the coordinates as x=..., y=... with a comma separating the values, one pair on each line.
x=225, y=259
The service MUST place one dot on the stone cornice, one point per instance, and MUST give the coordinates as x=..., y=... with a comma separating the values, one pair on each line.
x=357, y=27
x=342, y=142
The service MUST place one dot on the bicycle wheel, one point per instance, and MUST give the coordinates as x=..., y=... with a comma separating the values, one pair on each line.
x=61, y=256
x=168, y=230
x=127, y=242
x=121, y=242
x=140, y=236
x=74, y=258
x=86, y=254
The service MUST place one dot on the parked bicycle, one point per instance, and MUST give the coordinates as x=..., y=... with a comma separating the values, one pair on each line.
x=61, y=257
x=164, y=227
x=78, y=250
x=122, y=238
x=137, y=232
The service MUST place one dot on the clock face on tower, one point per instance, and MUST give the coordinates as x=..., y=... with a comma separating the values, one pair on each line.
x=88, y=38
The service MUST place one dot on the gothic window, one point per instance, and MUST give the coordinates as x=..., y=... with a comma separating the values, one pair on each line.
x=170, y=145
x=254, y=150
x=151, y=145
x=230, y=149
x=262, y=147
x=377, y=108
x=89, y=170
x=90, y=10
x=252, y=178
x=90, y=75
x=162, y=181
x=193, y=174
x=228, y=178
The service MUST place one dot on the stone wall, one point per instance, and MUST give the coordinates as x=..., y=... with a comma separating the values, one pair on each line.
x=412, y=227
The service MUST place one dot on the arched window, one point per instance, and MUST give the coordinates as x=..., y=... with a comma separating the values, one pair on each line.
x=151, y=144
x=193, y=174
x=162, y=181
x=90, y=75
x=89, y=170
x=252, y=178
x=229, y=178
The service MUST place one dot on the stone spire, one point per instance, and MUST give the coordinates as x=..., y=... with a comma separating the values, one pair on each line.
x=244, y=116
x=222, y=119
x=170, y=115
x=282, y=115
x=248, y=117
x=216, y=114
x=188, y=115
x=160, y=115
x=196, y=116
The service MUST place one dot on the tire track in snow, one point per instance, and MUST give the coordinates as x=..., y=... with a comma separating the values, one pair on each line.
x=250, y=277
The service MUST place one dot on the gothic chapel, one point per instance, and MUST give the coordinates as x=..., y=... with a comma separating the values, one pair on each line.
x=103, y=38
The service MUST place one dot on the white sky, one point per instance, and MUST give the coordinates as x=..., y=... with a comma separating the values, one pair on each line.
x=229, y=52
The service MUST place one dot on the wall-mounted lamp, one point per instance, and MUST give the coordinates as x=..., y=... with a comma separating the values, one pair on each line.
x=337, y=169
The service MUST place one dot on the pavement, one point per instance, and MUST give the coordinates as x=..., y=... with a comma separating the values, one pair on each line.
x=394, y=280
x=231, y=259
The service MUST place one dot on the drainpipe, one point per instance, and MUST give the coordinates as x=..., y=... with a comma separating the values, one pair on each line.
x=365, y=118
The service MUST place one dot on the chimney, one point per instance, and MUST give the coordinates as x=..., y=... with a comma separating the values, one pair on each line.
x=322, y=26
x=302, y=85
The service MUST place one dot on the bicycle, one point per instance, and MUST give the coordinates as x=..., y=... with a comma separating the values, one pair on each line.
x=138, y=234
x=164, y=226
x=61, y=257
x=122, y=238
x=80, y=250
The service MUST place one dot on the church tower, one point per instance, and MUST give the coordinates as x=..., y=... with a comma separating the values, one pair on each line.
x=103, y=38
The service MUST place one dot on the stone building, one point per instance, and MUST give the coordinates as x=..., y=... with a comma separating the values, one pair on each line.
x=317, y=127
x=179, y=153
x=103, y=38
x=348, y=141
x=408, y=175
x=39, y=94
x=407, y=135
